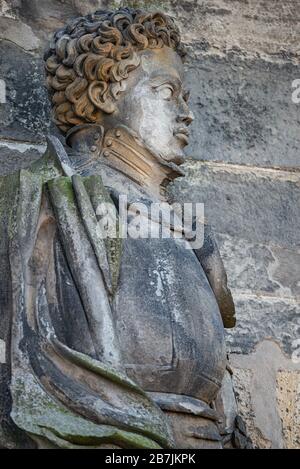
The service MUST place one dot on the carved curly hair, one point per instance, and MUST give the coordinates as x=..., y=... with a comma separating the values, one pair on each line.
x=91, y=56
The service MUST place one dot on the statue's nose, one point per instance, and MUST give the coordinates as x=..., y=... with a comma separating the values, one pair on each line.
x=186, y=118
x=185, y=115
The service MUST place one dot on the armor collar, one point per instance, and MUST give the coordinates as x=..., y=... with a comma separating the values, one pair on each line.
x=121, y=149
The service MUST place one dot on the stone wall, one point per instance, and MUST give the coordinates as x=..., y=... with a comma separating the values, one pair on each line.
x=243, y=56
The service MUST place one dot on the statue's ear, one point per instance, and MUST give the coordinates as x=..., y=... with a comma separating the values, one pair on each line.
x=100, y=96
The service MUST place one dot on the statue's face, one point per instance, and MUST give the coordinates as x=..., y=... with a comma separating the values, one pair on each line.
x=154, y=104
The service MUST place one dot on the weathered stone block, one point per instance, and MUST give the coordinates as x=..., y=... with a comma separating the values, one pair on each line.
x=261, y=318
x=244, y=111
x=242, y=379
x=25, y=115
x=18, y=32
x=16, y=156
x=258, y=206
x=2, y=91
x=288, y=395
x=253, y=29
x=267, y=395
x=261, y=269
x=2, y=351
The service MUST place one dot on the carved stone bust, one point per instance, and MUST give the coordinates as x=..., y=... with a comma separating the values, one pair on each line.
x=115, y=341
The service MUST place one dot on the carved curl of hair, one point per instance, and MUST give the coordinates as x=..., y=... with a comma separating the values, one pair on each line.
x=89, y=59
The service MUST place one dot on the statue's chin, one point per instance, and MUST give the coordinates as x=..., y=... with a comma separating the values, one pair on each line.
x=173, y=154
x=176, y=158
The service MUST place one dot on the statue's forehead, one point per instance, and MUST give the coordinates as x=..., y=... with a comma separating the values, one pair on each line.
x=164, y=60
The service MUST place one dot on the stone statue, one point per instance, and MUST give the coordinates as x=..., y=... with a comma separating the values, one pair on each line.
x=111, y=341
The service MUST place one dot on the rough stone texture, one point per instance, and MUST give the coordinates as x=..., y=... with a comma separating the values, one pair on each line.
x=261, y=206
x=288, y=392
x=258, y=268
x=25, y=115
x=19, y=155
x=267, y=398
x=242, y=58
x=2, y=92
x=19, y=33
x=256, y=28
x=259, y=318
x=2, y=351
x=244, y=111
x=242, y=382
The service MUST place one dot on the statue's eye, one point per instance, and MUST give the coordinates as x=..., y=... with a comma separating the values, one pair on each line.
x=165, y=91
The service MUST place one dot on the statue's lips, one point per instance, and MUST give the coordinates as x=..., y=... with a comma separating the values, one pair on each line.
x=182, y=134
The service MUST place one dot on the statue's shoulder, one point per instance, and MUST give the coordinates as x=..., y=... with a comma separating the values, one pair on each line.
x=53, y=163
x=49, y=166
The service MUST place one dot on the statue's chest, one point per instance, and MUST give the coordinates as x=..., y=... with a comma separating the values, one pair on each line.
x=167, y=318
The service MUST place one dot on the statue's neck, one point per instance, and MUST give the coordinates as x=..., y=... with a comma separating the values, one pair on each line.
x=120, y=149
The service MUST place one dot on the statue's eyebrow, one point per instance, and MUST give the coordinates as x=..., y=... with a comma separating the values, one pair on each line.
x=162, y=78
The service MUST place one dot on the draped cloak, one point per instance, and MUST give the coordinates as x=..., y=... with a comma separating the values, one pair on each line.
x=63, y=383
